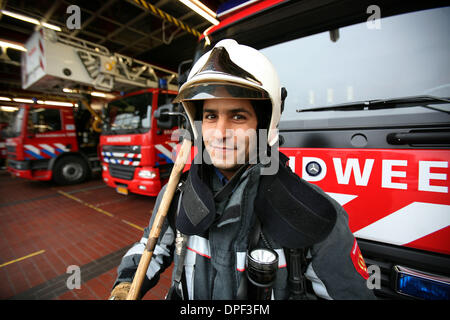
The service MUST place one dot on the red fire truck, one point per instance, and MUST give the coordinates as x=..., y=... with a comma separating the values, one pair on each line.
x=137, y=155
x=366, y=119
x=47, y=142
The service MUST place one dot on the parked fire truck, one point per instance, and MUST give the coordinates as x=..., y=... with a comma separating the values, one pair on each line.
x=366, y=119
x=50, y=142
x=137, y=153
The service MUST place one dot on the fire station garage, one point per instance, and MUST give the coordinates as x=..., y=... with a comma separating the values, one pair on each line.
x=64, y=227
x=88, y=131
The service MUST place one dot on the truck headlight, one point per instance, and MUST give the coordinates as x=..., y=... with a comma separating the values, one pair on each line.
x=147, y=174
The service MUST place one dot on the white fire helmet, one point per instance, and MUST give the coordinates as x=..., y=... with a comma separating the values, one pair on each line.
x=231, y=70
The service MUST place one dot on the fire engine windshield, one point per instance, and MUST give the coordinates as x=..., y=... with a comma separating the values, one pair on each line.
x=400, y=56
x=129, y=115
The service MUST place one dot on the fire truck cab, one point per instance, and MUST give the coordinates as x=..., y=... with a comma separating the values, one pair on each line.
x=366, y=118
x=137, y=154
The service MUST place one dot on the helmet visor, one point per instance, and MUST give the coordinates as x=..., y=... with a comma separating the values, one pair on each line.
x=206, y=91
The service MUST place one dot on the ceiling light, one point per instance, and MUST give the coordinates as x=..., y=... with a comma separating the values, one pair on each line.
x=51, y=26
x=21, y=17
x=21, y=100
x=98, y=94
x=59, y=103
x=30, y=20
x=5, y=99
x=202, y=10
x=203, y=7
x=8, y=108
x=12, y=45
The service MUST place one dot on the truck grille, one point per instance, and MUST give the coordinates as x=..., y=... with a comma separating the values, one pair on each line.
x=11, y=152
x=123, y=155
x=121, y=172
x=127, y=149
x=19, y=165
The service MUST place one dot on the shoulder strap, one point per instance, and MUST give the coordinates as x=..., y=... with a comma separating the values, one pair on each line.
x=175, y=205
x=178, y=289
x=254, y=234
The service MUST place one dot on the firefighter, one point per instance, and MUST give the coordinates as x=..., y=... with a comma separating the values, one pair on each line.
x=240, y=194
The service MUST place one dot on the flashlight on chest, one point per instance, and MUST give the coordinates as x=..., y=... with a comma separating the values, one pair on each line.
x=262, y=265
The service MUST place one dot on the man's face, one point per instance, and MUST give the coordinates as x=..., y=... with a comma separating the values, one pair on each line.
x=229, y=131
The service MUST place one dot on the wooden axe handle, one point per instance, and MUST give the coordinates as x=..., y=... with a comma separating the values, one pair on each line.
x=166, y=200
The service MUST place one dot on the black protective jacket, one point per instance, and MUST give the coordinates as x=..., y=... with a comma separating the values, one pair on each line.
x=292, y=214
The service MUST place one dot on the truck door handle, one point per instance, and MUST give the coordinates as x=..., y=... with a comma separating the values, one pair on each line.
x=418, y=138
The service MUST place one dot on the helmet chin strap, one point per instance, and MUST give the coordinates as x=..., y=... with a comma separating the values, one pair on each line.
x=283, y=97
x=273, y=139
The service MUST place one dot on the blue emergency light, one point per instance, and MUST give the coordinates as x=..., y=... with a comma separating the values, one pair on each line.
x=162, y=83
x=421, y=285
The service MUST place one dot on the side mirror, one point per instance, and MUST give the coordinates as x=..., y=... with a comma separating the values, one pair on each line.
x=164, y=116
x=183, y=71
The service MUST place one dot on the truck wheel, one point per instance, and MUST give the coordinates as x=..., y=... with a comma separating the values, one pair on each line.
x=70, y=170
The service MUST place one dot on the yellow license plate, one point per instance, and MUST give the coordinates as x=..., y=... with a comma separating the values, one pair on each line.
x=122, y=190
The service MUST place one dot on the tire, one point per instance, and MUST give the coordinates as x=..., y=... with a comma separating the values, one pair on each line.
x=70, y=170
